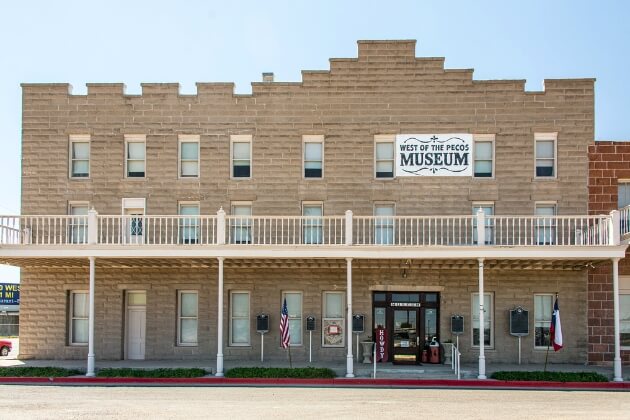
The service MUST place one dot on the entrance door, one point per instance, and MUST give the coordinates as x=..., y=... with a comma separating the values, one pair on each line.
x=406, y=335
x=136, y=325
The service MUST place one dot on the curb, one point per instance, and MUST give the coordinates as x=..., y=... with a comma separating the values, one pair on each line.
x=337, y=382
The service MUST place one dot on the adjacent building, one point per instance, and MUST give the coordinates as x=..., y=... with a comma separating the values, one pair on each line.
x=160, y=225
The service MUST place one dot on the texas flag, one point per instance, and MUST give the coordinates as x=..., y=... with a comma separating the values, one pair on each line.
x=555, y=330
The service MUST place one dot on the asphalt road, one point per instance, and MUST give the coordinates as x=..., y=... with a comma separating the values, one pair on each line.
x=65, y=402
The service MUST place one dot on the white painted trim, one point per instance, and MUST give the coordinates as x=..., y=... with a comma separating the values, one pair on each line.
x=188, y=138
x=134, y=138
x=485, y=138
x=249, y=318
x=241, y=138
x=384, y=138
x=134, y=203
x=308, y=138
x=547, y=137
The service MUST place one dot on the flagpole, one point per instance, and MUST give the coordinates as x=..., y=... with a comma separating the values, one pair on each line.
x=290, y=363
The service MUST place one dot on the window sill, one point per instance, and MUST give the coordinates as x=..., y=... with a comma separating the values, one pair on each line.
x=183, y=345
x=239, y=347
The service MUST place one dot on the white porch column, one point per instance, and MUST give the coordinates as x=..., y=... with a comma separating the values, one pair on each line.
x=617, y=377
x=349, y=357
x=482, y=357
x=220, y=321
x=90, y=358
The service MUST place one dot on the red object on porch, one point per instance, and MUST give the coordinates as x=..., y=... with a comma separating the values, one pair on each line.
x=381, y=345
x=435, y=354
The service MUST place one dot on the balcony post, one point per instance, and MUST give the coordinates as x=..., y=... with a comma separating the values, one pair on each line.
x=482, y=327
x=614, y=228
x=481, y=227
x=220, y=319
x=92, y=226
x=91, y=314
x=348, y=227
x=617, y=376
x=349, y=356
x=221, y=227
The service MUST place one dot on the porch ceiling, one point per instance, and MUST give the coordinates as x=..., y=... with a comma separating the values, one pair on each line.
x=323, y=263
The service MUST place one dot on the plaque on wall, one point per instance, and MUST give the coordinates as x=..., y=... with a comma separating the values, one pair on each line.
x=333, y=332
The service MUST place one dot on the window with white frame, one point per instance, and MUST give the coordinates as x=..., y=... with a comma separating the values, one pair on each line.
x=545, y=155
x=78, y=314
x=624, y=311
x=623, y=193
x=189, y=222
x=488, y=330
x=384, y=156
x=135, y=156
x=239, y=319
x=78, y=225
x=241, y=146
x=187, y=318
x=333, y=321
x=384, y=223
x=312, y=227
x=543, y=308
x=484, y=156
x=188, y=156
x=294, y=307
x=545, y=223
x=79, y=156
x=488, y=210
x=241, y=223
x=313, y=156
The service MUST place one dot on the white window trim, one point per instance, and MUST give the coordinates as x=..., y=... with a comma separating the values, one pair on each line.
x=232, y=225
x=393, y=205
x=71, y=317
x=384, y=138
x=241, y=138
x=325, y=318
x=188, y=138
x=284, y=293
x=135, y=138
x=180, y=317
x=541, y=294
x=79, y=138
x=249, y=313
x=484, y=138
x=624, y=289
x=487, y=313
x=547, y=137
x=312, y=139
x=321, y=225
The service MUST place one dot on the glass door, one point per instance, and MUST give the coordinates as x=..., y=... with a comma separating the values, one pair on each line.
x=406, y=335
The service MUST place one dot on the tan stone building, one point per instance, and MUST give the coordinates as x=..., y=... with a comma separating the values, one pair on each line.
x=388, y=187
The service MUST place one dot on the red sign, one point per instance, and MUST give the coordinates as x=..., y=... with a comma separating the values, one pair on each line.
x=381, y=345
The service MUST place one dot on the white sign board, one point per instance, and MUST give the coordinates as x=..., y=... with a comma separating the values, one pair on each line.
x=434, y=155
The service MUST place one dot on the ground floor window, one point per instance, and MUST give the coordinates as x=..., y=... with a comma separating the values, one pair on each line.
x=488, y=333
x=239, y=319
x=9, y=325
x=624, y=311
x=543, y=307
x=294, y=307
x=187, y=318
x=79, y=312
x=333, y=321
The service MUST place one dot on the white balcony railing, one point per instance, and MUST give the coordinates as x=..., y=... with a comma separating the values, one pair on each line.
x=402, y=231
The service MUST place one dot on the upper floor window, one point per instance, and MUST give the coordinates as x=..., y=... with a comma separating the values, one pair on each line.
x=313, y=156
x=189, y=222
x=313, y=223
x=545, y=155
x=623, y=191
x=78, y=225
x=188, y=156
x=135, y=156
x=384, y=224
x=484, y=156
x=545, y=223
x=241, y=223
x=384, y=156
x=488, y=210
x=79, y=156
x=241, y=146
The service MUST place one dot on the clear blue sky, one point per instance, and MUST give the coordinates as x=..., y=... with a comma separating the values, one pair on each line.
x=189, y=41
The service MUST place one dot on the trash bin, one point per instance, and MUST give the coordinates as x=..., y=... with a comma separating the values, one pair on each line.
x=434, y=351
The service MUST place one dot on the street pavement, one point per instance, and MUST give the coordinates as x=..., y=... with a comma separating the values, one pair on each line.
x=68, y=402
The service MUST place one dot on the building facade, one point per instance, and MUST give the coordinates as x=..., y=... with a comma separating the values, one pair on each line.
x=158, y=226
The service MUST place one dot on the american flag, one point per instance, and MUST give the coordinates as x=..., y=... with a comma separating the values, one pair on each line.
x=284, y=325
